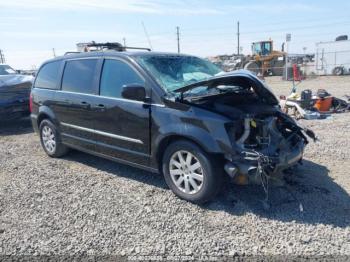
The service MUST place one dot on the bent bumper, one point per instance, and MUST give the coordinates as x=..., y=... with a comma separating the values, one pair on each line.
x=248, y=166
x=14, y=110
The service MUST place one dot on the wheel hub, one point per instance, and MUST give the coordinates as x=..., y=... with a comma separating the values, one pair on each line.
x=186, y=172
x=49, y=139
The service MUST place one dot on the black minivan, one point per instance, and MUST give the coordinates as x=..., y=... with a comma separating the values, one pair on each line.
x=178, y=115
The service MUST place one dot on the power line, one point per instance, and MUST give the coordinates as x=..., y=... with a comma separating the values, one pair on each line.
x=293, y=21
x=219, y=27
x=299, y=28
x=280, y=30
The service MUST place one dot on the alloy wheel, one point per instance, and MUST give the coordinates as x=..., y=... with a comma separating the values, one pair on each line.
x=49, y=140
x=186, y=172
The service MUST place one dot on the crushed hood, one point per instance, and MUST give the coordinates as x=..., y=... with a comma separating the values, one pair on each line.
x=13, y=80
x=243, y=78
x=14, y=87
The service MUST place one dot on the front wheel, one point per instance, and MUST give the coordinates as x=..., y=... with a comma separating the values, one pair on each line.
x=190, y=172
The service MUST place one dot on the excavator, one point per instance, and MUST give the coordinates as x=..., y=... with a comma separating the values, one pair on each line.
x=265, y=60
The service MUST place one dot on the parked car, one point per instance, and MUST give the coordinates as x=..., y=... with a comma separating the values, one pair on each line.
x=173, y=114
x=14, y=93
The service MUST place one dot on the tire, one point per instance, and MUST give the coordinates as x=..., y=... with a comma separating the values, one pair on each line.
x=202, y=170
x=51, y=140
x=253, y=67
x=338, y=71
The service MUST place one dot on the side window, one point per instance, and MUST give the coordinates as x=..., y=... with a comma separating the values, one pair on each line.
x=48, y=75
x=79, y=76
x=115, y=74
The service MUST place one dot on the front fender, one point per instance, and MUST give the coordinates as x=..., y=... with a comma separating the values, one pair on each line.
x=205, y=128
x=191, y=132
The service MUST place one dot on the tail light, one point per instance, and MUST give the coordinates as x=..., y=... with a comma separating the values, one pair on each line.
x=30, y=102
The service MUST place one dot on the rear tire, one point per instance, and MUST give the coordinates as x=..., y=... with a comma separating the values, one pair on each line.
x=50, y=139
x=190, y=172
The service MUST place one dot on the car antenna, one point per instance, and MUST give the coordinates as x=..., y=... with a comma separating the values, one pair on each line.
x=147, y=36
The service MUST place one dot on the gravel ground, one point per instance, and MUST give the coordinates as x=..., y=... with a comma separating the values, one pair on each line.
x=85, y=205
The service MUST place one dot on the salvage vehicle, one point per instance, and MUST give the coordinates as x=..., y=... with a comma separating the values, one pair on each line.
x=14, y=93
x=174, y=114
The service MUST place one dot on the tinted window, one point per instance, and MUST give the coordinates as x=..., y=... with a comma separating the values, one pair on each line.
x=115, y=74
x=48, y=75
x=78, y=76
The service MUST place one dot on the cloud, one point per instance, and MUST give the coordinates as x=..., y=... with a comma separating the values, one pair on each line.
x=160, y=7
x=273, y=7
x=181, y=7
x=19, y=18
x=59, y=34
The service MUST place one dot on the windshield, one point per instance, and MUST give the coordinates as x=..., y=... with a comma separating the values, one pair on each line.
x=175, y=71
x=6, y=70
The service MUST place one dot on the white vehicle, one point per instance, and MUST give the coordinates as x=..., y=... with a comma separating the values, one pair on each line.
x=333, y=58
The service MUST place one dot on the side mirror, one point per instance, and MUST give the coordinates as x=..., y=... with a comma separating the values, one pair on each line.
x=134, y=92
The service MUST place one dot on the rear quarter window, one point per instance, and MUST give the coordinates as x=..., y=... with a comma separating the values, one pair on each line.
x=79, y=76
x=48, y=76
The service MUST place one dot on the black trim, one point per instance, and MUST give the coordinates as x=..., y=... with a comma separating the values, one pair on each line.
x=106, y=145
x=147, y=168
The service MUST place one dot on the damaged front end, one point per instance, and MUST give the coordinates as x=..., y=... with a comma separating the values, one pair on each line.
x=264, y=143
x=264, y=140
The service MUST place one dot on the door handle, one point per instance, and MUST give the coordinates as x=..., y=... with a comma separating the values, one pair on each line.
x=100, y=107
x=85, y=105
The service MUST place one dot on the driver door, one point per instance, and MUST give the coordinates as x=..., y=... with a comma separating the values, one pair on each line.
x=122, y=126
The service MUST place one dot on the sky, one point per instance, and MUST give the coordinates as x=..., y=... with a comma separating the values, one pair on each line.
x=30, y=29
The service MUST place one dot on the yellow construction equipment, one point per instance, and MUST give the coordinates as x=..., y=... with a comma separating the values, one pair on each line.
x=265, y=60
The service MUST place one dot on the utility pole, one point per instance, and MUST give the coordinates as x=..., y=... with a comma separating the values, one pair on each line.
x=124, y=41
x=2, y=57
x=238, y=38
x=178, y=38
x=53, y=52
x=288, y=38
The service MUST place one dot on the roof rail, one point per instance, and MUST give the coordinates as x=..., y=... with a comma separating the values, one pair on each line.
x=71, y=52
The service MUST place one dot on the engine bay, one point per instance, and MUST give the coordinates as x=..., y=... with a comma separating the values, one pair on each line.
x=259, y=130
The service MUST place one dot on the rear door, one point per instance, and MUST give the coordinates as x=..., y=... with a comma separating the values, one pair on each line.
x=72, y=104
x=122, y=126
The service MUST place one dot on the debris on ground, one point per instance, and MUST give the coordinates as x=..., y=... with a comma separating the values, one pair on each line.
x=313, y=106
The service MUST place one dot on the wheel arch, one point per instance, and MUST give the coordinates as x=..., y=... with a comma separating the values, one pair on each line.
x=46, y=113
x=171, y=138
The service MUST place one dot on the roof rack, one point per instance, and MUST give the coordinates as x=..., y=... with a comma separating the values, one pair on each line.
x=87, y=47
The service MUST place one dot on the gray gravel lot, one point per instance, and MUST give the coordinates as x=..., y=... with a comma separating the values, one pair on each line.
x=82, y=204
